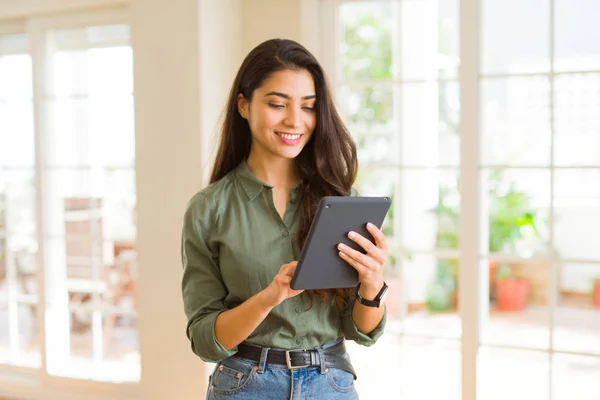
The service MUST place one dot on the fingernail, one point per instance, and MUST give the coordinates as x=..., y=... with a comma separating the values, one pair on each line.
x=351, y=234
x=370, y=225
x=341, y=246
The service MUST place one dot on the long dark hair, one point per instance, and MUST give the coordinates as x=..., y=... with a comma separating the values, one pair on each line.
x=327, y=164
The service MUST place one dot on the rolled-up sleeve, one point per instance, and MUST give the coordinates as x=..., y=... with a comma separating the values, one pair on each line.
x=350, y=329
x=202, y=285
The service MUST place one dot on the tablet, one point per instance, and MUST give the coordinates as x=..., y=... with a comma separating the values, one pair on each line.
x=319, y=265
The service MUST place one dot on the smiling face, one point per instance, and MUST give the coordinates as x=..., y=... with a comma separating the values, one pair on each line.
x=281, y=114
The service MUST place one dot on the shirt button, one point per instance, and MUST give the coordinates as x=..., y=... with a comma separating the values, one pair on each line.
x=285, y=234
x=298, y=310
x=299, y=341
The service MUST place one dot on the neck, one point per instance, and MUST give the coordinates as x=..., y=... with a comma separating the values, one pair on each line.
x=273, y=170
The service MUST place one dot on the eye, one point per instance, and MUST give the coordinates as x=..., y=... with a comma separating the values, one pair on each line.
x=309, y=108
x=277, y=106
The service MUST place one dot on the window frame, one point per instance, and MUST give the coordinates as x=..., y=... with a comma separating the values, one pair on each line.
x=474, y=230
x=38, y=380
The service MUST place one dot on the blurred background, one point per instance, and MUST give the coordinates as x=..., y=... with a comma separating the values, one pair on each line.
x=108, y=117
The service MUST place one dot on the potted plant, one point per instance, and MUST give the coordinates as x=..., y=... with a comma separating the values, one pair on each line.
x=441, y=291
x=511, y=291
x=596, y=293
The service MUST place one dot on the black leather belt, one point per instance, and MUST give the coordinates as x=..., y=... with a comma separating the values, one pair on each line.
x=294, y=359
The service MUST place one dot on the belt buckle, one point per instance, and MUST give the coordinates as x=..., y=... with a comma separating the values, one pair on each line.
x=288, y=360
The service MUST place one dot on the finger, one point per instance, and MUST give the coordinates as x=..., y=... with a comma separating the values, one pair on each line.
x=357, y=256
x=378, y=235
x=360, y=268
x=288, y=269
x=362, y=241
x=377, y=253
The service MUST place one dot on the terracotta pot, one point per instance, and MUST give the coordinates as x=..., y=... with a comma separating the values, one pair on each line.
x=511, y=294
x=596, y=295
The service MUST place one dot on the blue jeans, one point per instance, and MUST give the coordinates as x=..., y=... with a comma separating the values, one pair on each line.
x=238, y=378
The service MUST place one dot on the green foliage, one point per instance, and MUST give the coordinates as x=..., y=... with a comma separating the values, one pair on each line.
x=510, y=214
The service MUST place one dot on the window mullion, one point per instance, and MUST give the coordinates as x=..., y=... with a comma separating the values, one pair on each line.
x=39, y=74
x=471, y=221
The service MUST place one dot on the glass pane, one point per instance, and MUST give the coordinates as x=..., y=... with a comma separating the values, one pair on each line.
x=431, y=295
x=100, y=72
x=577, y=214
x=16, y=77
x=29, y=351
x=380, y=182
x=425, y=361
x=5, y=350
x=368, y=109
x=92, y=105
x=120, y=333
x=377, y=148
x=518, y=304
x=518, y=201
x=92, y=35
x=366, y=40
x=575, y=377
x=522, y=48
x=72, y=338
x=92, y=131
x=95, y=72
x=23, y=251
x=577, y=319
x=17, y=190
x=513, y=374
x=515, y=121
x=70, y=196
x=430, y=114
x=430, y=209
x=81, y=340
x=110, y=71
x=119, y=204
x=429, y=36
x=14, y=43
x=404, y=368
x=577, y=35
x=16, y=134
x=121, y=278
x=577, y=119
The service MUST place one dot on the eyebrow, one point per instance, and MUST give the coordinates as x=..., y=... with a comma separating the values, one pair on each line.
x=285, y=96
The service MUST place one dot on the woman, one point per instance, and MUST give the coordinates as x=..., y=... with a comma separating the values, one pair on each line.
x=283, y=147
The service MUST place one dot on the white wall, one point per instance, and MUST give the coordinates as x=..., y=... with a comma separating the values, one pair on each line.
x=289, y=19
x=185, y=56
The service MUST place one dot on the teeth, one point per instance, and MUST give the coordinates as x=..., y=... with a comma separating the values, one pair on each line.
x=288, y=137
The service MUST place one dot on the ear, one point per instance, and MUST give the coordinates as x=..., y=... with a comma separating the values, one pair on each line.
x=243, y=106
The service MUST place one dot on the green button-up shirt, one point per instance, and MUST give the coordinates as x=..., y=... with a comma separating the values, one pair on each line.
x=233, y=244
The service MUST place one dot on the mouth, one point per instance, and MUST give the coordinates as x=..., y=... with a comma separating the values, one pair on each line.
x=289, y=136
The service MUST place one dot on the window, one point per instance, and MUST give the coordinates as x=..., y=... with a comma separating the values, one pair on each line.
x=68, y=209
x=395, y=70
x=18, y=243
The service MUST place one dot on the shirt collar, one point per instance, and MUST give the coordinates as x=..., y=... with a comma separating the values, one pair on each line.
x=253, y=186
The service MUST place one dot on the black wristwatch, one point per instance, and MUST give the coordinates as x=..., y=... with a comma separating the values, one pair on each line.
x=376, y=302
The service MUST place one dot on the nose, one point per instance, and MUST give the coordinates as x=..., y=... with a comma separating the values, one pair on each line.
x=293, y=118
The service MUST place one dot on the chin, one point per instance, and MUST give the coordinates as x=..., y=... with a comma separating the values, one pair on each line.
x=290, y=154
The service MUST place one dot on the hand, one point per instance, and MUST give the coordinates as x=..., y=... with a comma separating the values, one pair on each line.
x=369, y=266
x=279, y=289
